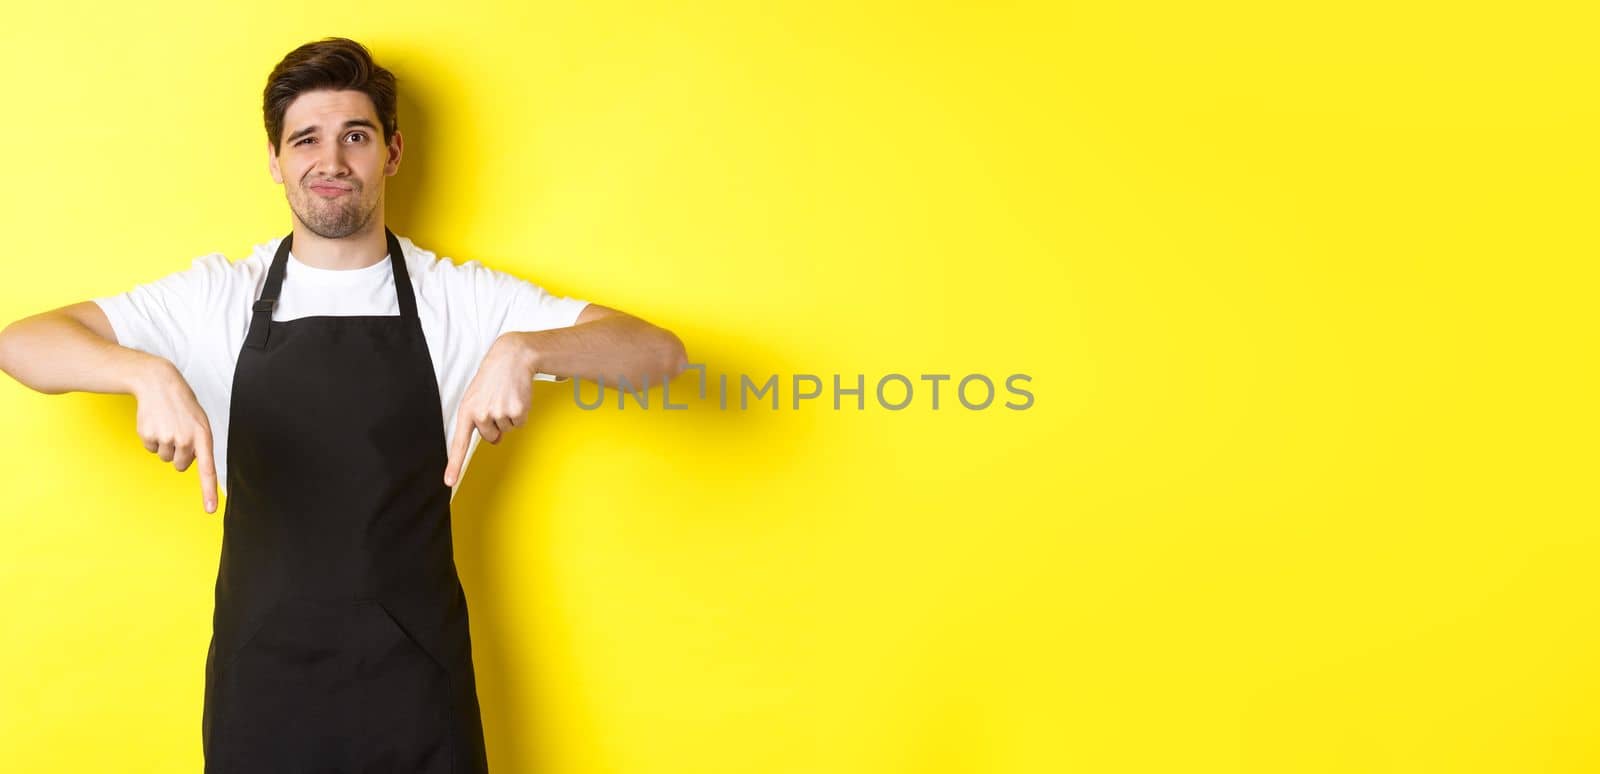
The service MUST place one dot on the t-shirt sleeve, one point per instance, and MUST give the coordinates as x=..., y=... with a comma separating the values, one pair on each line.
x=509, y=303
x=160, y=317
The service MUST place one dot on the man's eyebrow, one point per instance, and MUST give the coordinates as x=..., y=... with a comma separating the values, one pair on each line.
x=313, y=128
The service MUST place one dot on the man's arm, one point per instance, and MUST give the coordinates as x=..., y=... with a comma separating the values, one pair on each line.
x=605, y=345
x=74, y=349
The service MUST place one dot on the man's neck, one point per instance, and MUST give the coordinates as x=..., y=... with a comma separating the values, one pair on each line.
x=357, y=251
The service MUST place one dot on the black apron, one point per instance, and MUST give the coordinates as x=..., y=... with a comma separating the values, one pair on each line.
x=339, y=640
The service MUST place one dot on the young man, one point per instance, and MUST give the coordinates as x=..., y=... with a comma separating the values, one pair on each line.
x=338, y=375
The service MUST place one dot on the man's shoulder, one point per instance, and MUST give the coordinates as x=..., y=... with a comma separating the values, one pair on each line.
x=446, y=273
x=421, y=259
x=209, y=272
x=217, y=272
x=256, y=260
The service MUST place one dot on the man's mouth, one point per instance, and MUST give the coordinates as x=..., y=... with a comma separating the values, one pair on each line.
x=329, y=190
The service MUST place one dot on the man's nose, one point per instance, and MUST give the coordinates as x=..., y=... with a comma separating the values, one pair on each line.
x=331, y=161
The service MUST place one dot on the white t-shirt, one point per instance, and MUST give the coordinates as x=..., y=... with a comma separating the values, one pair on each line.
x=198, y=319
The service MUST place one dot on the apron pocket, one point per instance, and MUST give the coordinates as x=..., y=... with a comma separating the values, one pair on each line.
x=407, y=707
x=328, y=685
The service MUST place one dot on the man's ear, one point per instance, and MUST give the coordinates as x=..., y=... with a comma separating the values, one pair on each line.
x=272, y=164
x=395, y=146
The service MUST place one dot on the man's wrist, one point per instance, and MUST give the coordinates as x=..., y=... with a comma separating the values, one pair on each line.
x=146, y=372
x=526, y=346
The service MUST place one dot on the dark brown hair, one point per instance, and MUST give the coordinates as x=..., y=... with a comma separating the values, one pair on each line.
x=330, y=63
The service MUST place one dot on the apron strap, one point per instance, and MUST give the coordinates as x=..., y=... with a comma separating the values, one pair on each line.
x=402, y=279
x=261, y=320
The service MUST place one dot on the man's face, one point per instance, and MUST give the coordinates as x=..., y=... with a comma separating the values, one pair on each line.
x=332, y=161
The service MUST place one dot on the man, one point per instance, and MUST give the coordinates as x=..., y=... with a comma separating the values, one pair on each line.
x=338, y=374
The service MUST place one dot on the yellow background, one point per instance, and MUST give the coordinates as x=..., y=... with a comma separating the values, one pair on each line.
x=1306, y=293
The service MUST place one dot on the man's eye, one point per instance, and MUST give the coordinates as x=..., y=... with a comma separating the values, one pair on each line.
x=304, y=140
x=362, y=135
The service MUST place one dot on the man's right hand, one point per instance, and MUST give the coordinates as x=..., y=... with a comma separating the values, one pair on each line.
x=174, y=426
x=75, y=349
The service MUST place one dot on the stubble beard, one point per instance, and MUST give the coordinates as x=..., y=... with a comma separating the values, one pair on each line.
x=332, y=219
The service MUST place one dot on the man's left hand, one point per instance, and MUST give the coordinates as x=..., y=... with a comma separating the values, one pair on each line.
x=495, y=402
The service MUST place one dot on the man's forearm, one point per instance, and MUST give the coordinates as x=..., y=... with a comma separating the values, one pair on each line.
x=608, y=350
x=54, y=353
